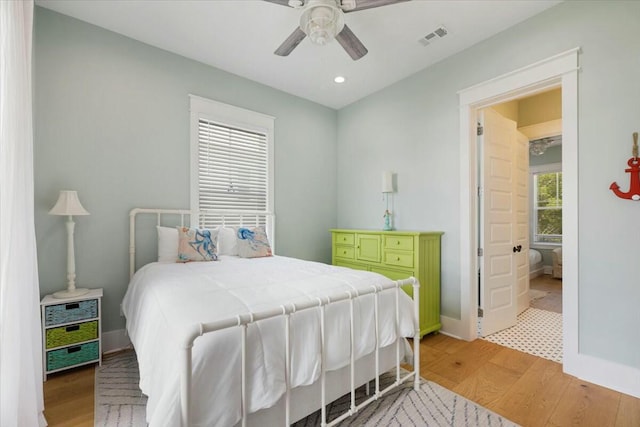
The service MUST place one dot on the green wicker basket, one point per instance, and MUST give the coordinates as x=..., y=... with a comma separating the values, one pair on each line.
x=65, y=335
x=75, y=355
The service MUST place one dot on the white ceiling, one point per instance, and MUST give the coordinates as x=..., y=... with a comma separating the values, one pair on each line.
x=239, y=36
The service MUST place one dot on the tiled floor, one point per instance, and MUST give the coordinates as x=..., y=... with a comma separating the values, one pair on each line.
x=538, y=332
x=539, y=328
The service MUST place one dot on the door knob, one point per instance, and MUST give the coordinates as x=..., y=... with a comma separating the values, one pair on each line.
x=517, y=248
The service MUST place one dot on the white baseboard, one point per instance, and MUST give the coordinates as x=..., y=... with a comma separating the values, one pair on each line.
x=621, y=378
x=451, y=327
x=535, y=273
x=548, y=269
x=115, y=341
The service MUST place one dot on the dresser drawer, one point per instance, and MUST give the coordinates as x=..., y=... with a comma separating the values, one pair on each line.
x=70, y=312
x=344, y=252
x=71, y=334
x=401, y=259
x=351, y=265
x=396, y=275
x=404, y=243
x=74, y=355
x=344, y=238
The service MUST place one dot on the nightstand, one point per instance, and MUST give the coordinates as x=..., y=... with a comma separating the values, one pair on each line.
x=71, y=331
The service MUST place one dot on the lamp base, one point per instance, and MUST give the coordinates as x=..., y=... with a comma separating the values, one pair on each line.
x=387, y=221
x=77, y=292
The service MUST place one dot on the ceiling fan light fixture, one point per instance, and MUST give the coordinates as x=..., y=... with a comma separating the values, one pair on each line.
x=539, y=146
x=321, y=21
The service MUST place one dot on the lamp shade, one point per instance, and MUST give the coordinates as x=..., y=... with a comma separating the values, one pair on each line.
x=387, y=182
x=68, y=204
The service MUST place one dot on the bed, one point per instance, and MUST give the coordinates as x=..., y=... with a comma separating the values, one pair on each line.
x=262, y=341
x=535, y=264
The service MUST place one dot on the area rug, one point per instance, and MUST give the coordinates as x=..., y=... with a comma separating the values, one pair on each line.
x=120, y=403
x=538, y=332
x=118, y=399
x=535, y=294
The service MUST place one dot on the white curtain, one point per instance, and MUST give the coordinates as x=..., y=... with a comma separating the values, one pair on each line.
x=21, y=399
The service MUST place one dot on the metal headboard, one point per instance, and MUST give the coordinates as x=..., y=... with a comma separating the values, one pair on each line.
x=204, y=218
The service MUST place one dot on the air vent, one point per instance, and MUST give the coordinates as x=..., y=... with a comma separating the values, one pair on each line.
x=433, y=36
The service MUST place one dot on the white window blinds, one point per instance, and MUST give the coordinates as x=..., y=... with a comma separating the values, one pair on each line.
x=232, y=168
x=231, y=164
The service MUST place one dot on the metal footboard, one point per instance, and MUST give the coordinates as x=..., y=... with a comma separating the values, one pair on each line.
x=242, y=321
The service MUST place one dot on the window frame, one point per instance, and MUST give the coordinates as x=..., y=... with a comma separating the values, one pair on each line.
x=533, y=171
x=229, y=116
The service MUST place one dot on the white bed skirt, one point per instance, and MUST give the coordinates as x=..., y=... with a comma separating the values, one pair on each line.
x=306, y=400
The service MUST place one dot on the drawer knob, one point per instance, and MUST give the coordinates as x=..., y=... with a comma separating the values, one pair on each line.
x=344, y=239
x=397, y=242
x=344, y=252
x=398, y=259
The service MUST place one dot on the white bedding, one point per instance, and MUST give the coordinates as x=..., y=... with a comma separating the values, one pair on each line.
x=535, y=257
x=165, y=299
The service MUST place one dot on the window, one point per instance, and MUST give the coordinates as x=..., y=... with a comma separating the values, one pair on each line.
x=231, y=164
x=547, y=204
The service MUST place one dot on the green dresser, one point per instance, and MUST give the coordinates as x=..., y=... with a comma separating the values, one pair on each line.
x=396, y=255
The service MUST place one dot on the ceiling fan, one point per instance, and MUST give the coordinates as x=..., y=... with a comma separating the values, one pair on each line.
x=323, y=20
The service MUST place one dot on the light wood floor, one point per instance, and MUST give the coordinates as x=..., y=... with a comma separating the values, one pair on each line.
x=553, y=300
x=525, y=389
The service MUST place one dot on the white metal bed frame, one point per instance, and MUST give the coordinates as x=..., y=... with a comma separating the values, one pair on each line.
x=243, y=320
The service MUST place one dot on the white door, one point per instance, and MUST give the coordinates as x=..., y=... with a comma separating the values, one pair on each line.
x=498, y=230
x=522, y=221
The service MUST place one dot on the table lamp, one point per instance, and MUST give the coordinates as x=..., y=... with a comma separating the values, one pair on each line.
x=69, y=205
x=387, y=188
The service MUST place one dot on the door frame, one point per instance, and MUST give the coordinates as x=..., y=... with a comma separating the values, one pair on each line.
x=557, y=71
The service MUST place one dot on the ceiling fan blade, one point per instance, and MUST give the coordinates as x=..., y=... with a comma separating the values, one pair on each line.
x=280, y=2
x=351, y=43
x=370, y=4
x=291, y=42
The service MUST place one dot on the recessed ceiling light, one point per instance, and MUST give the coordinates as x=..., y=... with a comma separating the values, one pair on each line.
x=339, y=79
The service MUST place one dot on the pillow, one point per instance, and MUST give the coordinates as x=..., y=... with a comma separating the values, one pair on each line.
x=167, y=244
x=253, y=242
x=227, y=241
x=197, y=244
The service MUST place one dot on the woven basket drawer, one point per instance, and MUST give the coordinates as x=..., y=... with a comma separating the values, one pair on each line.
x=70, y=312
x=65, y=335
x=77, y=354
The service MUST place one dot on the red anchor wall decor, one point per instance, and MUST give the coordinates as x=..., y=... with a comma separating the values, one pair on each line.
x=634, y=170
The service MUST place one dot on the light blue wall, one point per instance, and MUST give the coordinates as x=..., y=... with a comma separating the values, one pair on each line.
x=112, y=122
x=412, y=128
